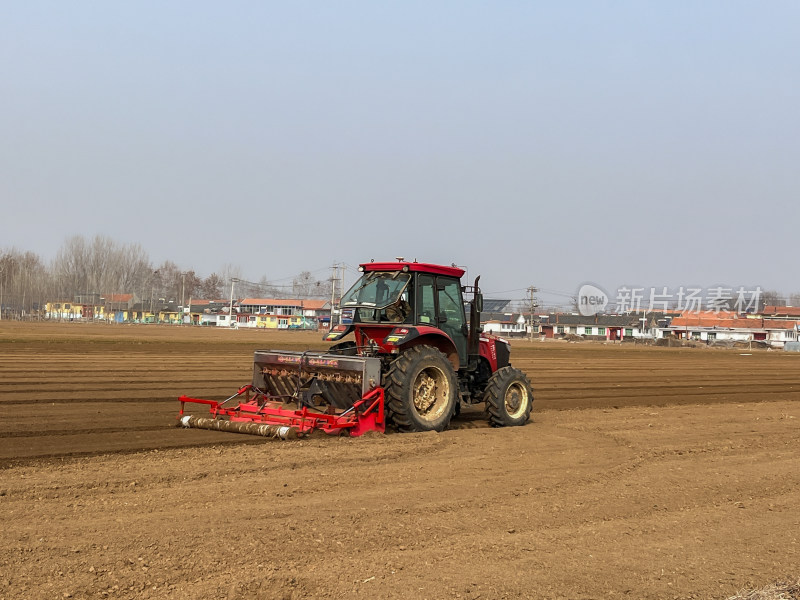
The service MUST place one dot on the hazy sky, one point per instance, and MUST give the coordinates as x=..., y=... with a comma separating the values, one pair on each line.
x=545, y=143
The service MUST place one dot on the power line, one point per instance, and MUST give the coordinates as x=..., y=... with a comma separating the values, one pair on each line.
x=295, y=276
x=505, y=292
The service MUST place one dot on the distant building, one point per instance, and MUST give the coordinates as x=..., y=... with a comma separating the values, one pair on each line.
x=780, y=312
x=726, y=326
x=602, y=327
x=508, y=324
x=288, y=313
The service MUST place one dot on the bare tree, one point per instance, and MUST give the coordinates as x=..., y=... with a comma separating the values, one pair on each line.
x=71, y=267
x=5, y=267
x=229, y=272
x=305, y=286
x=268, y=289
x=169, y=279
x=100, y=267
x=24, y=283
x=86, y=270
x=191, y=285
x=132, y=270
x=322, y=289
x=573, y=304
x=772, y=298
x=211, y=288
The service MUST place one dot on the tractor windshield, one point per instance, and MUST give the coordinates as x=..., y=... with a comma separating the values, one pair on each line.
x=376, y=289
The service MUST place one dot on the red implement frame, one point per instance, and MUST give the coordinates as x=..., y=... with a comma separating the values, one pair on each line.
x=367, y=414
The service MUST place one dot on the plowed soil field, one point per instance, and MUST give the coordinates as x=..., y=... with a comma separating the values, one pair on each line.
x=646, y=473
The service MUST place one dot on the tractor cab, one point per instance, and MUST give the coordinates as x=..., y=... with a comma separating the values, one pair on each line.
x=393, y=304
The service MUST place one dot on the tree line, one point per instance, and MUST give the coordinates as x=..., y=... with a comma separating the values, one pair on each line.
x=94, y=268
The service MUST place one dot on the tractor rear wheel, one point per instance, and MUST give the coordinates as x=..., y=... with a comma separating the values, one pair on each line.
x=508, y=397
x=421, y=390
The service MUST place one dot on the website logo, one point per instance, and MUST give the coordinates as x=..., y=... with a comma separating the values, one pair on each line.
x=591, y=300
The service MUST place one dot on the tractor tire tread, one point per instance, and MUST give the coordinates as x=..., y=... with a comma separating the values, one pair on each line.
x=397, y=380
x=495, y=391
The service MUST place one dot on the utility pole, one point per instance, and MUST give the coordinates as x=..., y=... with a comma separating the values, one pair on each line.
x=334, y=274
x=2, y=272
x=230, y=314
x=153, y=293
x=532, y=290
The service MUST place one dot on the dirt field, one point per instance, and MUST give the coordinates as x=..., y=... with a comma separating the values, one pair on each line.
x=648, y=473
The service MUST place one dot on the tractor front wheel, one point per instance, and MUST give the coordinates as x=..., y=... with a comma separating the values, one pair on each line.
x=421, y=390
x=508, y=397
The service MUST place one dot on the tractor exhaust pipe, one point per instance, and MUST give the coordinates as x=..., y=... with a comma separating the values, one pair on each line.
x=283, y=432
x=475, y=309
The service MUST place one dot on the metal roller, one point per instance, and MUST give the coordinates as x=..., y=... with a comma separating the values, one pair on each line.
x=283, y=432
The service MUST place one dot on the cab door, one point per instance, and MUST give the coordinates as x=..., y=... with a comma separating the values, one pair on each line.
x=450, y=314
x=439, y=304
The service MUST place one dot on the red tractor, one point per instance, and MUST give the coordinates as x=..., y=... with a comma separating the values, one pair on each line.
x=412, y=316
x=414, y=361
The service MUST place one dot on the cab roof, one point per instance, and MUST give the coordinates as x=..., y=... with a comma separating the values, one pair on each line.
x=414, y=266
